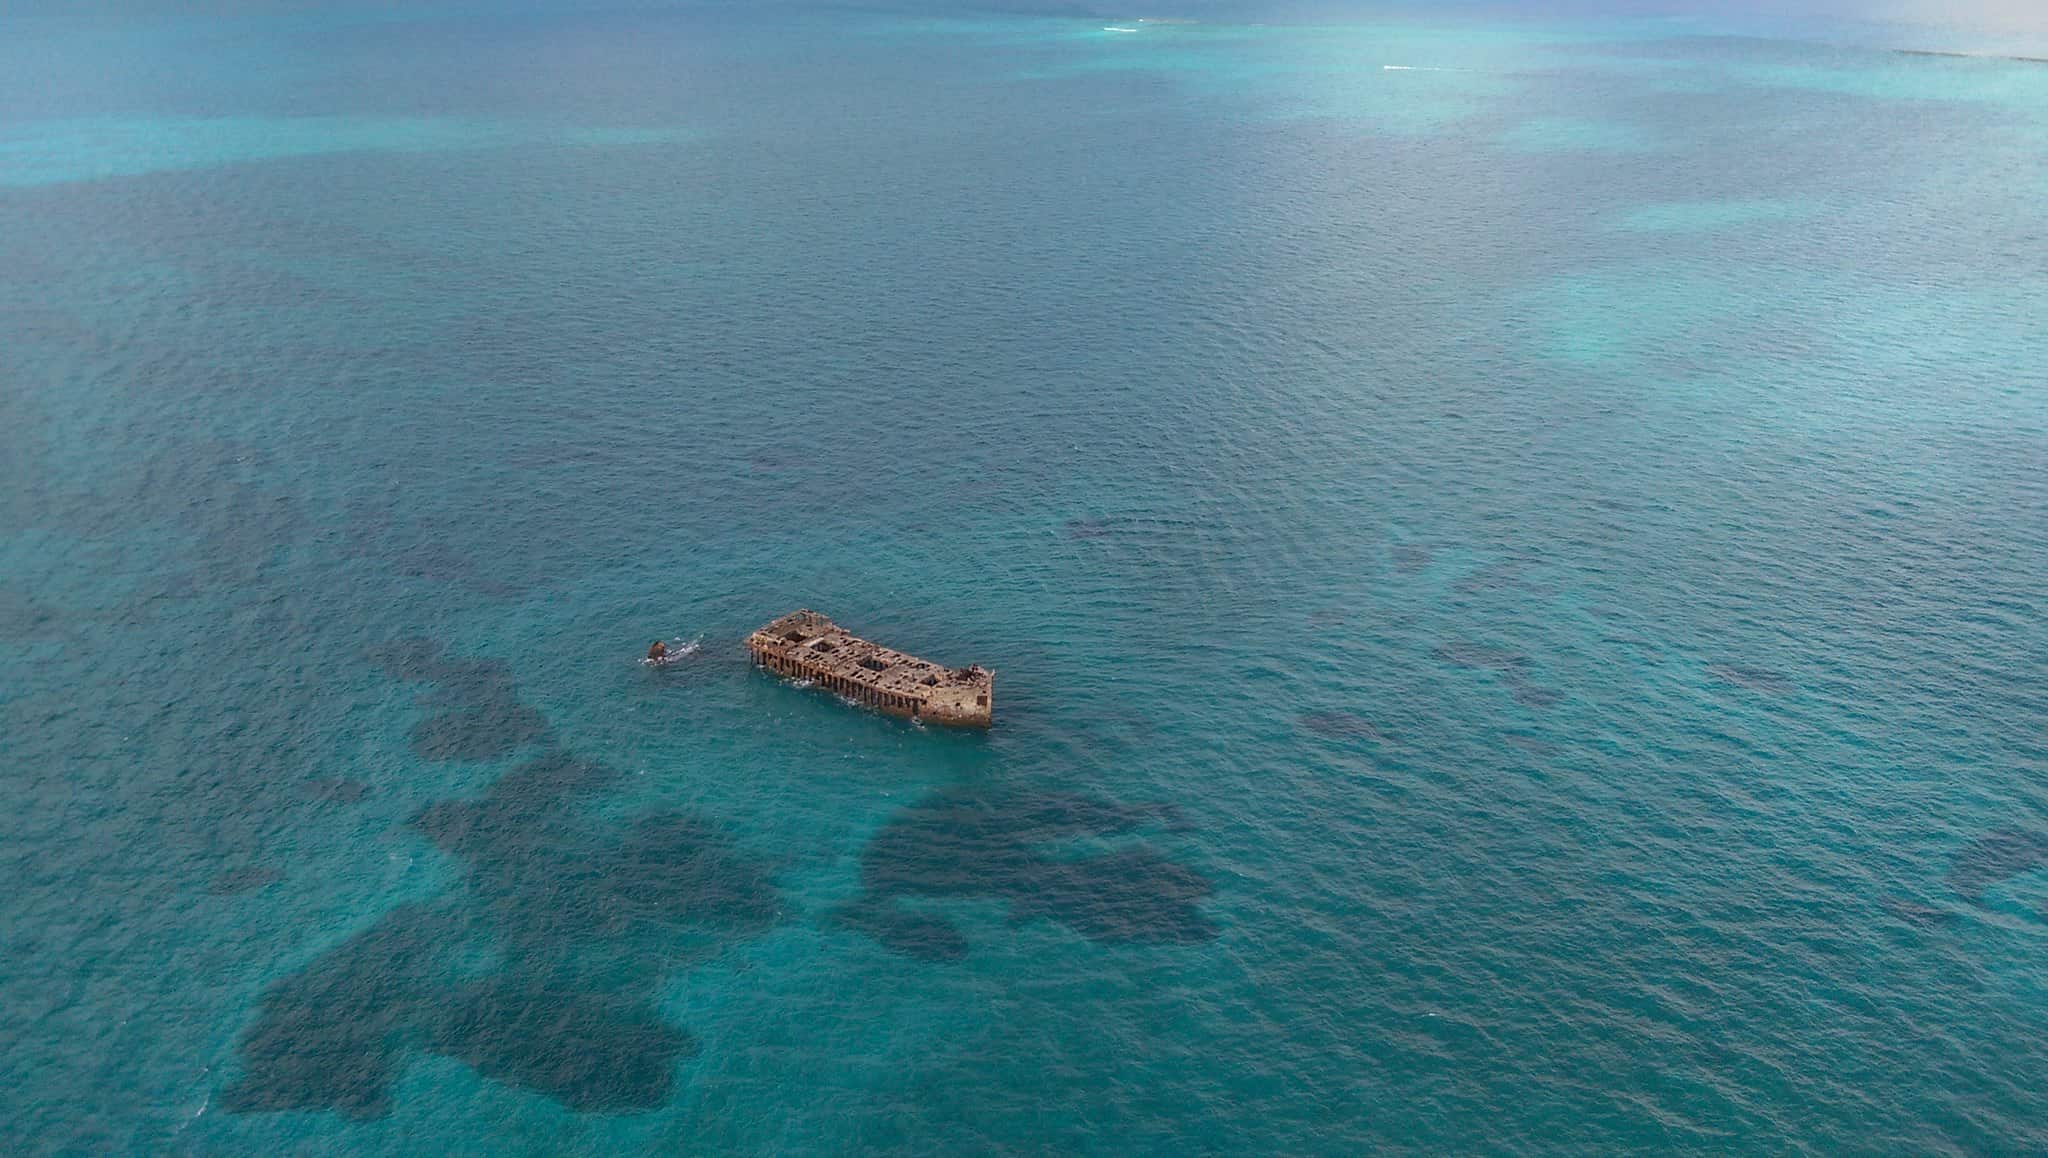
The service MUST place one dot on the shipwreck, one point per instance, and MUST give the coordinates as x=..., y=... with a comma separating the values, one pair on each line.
x=806, y=646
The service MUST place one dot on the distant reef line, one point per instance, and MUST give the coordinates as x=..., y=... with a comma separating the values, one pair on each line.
x=1971, y=55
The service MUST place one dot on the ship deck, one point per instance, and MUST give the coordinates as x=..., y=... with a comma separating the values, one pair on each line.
x=805, y=645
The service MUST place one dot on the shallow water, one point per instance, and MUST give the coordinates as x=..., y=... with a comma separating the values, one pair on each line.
x=1515, y=553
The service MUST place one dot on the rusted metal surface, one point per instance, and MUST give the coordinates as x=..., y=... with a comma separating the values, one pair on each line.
x=805, y=645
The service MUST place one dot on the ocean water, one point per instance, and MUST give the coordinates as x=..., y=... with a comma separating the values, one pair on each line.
x=1515, y=553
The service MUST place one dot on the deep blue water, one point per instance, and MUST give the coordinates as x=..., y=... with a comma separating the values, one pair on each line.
x=1515, y=553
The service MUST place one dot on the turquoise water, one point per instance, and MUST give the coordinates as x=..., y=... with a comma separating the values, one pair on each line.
x=1515, y=554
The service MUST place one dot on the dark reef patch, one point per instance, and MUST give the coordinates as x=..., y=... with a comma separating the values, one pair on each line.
x=1496, y=578
x=1533, y=745
x=482, y=717
x=427, y=549
x=1755, y=679
x=522, y=841
x=1133, y=896
x=257, y=528
x=1919, y=915
x=1339, y=725
x=410, y=659
x=1134, y=526
x=488, y=732
x=425, y=661
x=668, y=869
x=957, y=843
x=567, y=905
x=1512, y=668
x=436, y=561
x=335, y=790
x=583, y=920
x=899, y=930
x=329, y=1036
x=1996, y=857
x=676, y=868
x=23, y=616
x=1463, y=653
x=248, y=530
x=592, y=1054
x=1645, y=649
x=247, y=879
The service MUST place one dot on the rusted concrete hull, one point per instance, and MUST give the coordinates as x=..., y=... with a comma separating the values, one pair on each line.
x=805, y=645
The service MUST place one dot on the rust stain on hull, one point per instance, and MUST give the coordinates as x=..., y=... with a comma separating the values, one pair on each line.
x=805, y=645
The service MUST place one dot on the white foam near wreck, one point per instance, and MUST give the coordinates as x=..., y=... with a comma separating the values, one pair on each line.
x=808, y=647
